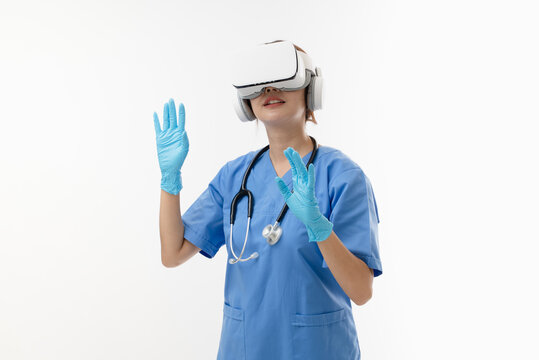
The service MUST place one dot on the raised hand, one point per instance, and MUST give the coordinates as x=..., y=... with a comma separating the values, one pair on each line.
x=302, y=201
x=172, y=146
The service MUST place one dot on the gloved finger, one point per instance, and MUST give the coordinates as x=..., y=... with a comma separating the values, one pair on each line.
x=311, y=176
x=300, y=166
x=283, y=188
x=172, y=114
x=156, y=124
x=165, y=117
x=181, y=118
x=288, y=155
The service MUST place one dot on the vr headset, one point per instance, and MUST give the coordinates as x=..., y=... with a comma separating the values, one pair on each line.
x=278, y=65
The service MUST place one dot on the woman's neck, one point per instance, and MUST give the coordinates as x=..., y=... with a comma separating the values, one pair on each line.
x=280, y=139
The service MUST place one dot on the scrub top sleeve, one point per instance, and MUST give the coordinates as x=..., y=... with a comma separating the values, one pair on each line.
x=354, y=215
x=203, y=221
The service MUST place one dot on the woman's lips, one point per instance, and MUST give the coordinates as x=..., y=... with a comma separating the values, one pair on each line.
x=273, y=105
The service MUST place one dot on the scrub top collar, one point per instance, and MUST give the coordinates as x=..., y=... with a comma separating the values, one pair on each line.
x=287, y=177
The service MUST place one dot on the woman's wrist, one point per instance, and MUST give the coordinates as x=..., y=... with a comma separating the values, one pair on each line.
x=320, y=229
x=171, y=182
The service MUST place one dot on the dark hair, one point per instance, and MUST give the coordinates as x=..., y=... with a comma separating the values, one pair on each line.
x=309, y=114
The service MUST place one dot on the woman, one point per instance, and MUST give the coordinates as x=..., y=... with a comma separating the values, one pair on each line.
x=287, y=298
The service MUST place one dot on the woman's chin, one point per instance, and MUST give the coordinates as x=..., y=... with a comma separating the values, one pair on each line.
x=273, y=120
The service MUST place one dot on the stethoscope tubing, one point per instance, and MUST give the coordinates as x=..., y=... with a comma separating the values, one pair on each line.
x=246, y=192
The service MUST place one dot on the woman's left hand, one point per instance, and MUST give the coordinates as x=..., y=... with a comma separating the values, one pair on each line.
x=302, y=201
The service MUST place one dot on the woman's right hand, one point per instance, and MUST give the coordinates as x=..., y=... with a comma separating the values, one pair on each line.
x=172, y=146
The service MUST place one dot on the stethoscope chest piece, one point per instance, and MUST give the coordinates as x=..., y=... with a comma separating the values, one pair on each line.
x=272, y=233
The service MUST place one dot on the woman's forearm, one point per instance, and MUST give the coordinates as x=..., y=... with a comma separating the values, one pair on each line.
x=352, y=274
x=171, y=228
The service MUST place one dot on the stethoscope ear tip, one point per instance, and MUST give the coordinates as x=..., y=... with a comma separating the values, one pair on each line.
x=255, y=255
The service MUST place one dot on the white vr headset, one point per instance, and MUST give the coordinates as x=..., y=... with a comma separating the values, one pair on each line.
x=278, y=65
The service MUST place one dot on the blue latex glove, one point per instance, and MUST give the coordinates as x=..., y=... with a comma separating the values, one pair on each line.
x=302, y=201
x=172, y=146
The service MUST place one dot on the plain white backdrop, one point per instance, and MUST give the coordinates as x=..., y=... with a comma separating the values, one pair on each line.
x=437, y=101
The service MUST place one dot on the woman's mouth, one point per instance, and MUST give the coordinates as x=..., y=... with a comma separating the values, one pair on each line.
x=274, y=104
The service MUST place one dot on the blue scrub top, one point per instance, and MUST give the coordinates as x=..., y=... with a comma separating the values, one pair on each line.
x=286, y=304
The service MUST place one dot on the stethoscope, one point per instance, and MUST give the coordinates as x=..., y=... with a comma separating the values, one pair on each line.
x=272, y=233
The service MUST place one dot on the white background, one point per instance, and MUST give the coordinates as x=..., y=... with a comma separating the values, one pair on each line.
x=437, y=101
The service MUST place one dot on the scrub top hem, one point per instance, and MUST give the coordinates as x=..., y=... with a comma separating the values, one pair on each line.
x=206, y=247
x=372, y=262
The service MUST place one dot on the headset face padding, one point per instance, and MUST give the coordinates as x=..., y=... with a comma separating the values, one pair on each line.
x=314, y=93
x=243, y=109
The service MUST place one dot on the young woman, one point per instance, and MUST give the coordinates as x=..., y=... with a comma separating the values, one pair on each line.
x=287, y=290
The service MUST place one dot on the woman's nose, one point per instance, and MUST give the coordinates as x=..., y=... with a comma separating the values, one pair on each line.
x=268, y=89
